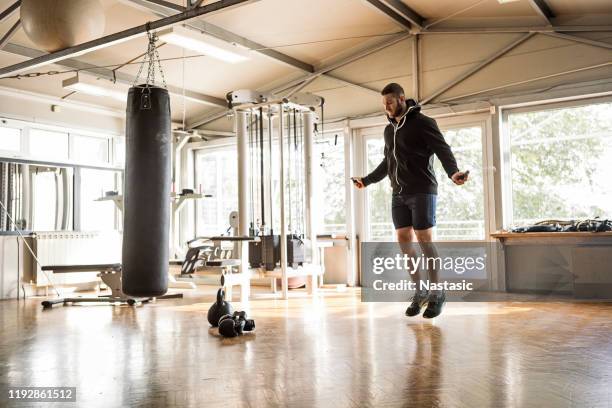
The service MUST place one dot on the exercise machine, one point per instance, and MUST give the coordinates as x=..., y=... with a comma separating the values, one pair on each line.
x=284, y=211
x=219, y=254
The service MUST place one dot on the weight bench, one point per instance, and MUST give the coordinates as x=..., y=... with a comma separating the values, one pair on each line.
x=111, y=276
x=204, y=255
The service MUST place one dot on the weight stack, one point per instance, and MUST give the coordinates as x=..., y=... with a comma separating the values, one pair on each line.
x=255, y=254
x=270, y=251
x=295, y=251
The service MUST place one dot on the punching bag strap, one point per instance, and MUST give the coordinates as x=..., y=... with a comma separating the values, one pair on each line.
x=145, y=99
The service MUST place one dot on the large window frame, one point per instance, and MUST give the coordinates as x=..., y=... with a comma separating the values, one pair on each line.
x=72, y=157
x=74, y=160
x=505, y=144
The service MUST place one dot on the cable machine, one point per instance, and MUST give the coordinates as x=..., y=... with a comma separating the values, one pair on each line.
x=276, y=169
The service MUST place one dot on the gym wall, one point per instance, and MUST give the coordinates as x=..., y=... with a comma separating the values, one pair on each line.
x=34, y=107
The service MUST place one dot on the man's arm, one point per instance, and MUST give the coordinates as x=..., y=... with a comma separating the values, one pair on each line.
x=435, y=140
x=379, y=173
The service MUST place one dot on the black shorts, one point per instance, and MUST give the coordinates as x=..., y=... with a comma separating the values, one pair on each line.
x=414, y=210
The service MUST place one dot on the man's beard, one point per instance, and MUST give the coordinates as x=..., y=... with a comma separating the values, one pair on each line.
x=398, y=111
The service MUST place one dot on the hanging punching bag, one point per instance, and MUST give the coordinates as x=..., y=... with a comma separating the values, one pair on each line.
x=146, y=197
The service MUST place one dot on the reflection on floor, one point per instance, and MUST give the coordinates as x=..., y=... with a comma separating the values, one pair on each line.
x=331, y=350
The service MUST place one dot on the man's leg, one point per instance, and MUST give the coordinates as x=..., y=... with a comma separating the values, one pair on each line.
x=407, y=241
x=436, y=297
x=424, y=206
x=425, y=239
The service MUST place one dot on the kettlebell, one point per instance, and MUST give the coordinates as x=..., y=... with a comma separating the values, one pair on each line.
x=218, y=309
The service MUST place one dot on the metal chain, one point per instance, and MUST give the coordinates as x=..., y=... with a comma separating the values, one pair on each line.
x=150, y=60
x=38, y=74
x=151, y=54
x=161, y=71
x=144, y=62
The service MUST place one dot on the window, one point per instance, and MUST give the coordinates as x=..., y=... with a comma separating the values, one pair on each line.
x=91, y=150
x=49, y=145
x=52, y=197
x=119, y=156
x=329, y=152
x=559, y=161
x=216, y=174
x=97, y=215
x=329, y=184
x=460, y=210
x=378, y=196
x=11, y=196
x=10, y=139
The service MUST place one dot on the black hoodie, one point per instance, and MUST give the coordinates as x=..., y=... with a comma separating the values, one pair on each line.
x=409, y=149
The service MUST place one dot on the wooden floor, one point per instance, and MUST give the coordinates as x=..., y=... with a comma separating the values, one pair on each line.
x=328, y=351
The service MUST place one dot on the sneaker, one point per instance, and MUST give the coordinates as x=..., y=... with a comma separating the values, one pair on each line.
x=434, y=305
x=418, y=301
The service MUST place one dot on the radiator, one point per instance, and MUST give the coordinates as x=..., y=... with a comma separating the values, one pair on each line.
x=74, y=248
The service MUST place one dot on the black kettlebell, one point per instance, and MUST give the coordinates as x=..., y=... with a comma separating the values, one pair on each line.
x=218, y=309
x=234, y=325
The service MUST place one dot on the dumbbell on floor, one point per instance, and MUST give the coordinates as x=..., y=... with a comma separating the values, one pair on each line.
x=234, y=325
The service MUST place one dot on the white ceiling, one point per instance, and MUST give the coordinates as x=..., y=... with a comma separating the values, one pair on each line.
x=316, y=32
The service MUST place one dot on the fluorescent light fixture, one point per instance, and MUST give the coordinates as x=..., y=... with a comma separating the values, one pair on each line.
x=79, y=85
x=507, y=1
x=201, y=43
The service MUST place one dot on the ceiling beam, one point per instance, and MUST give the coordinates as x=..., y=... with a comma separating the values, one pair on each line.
x=389, y=12
x=211, y=116
x=359, y=87
x=119, y=37
x=478, y=67
x=525, y=29
x=527, y=81
x=206, y=118
x=74, y=64
x=351, y=58
x=9, y=11
x=195, y=3
x=300, y=87
x=405, y=11
x=581, y=40
x=543, y=10
x=416, y=79
x=9, y=34
x=166, y=9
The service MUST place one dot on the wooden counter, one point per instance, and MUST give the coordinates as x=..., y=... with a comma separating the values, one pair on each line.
x=575, y=263
x=577, y=234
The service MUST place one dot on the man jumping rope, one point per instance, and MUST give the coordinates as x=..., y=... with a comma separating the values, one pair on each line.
x=411, y=140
